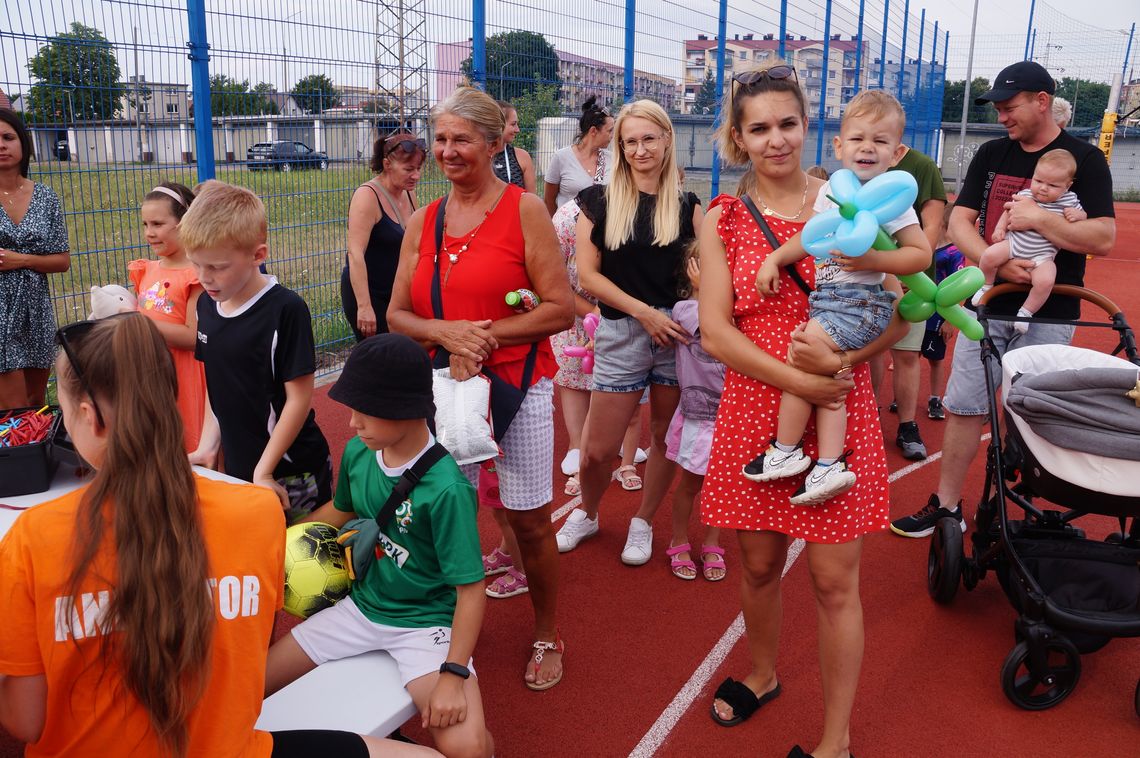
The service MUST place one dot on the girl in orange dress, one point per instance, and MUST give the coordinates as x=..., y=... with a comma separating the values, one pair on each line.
x=168, y=291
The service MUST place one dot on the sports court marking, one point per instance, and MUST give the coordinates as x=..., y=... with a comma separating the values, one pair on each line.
x=688, y=693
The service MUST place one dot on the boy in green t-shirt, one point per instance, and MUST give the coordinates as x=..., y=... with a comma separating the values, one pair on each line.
x=422, y=599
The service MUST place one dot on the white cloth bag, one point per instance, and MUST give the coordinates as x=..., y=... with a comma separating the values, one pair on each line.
x=463, y=417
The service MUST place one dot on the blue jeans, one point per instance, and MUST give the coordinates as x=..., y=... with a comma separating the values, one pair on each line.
x=626, y=359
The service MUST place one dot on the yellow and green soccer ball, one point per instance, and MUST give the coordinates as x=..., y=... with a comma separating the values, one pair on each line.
x=316, y=575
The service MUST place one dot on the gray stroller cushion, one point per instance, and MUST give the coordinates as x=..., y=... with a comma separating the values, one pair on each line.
x=1081, y=409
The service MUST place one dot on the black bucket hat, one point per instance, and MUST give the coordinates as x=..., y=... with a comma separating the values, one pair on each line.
x=387, y=376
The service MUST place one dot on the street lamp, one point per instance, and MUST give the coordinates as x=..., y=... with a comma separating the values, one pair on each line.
x=285, y=52
x=502, y=89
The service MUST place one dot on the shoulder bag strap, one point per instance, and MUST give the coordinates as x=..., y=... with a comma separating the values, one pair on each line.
x=436, y=292
x=408, y=482
x=775, y=243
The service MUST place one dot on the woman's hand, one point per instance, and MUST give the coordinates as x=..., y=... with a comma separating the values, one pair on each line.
x=11, y=261
x=366, y=320
x=811, y=354
x=468, y=339
x=662, y=329
x=768, y=278
x=824, y=391
x=463, y=369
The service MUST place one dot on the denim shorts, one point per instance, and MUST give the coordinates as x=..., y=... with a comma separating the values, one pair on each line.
x=966, y=388
x=853, y=315
x=626, y=359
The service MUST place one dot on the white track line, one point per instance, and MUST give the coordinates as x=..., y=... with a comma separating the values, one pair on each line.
x=665, y=723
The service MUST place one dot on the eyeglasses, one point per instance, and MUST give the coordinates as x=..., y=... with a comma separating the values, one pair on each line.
x=650, y=141
x=404, y=144
x=749, y=78
x=66, y=337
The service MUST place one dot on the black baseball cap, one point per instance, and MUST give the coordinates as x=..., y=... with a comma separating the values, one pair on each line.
x=387, y=376
x=1025, y=76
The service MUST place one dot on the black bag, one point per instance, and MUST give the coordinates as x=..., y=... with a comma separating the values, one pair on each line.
x=775, y=243
x=506, y=398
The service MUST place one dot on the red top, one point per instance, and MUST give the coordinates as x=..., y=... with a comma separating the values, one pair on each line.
x=493, y=265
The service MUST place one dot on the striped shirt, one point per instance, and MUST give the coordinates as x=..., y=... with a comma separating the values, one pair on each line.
x=1032, y=245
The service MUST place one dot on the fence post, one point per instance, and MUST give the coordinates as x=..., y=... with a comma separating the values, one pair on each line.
x=823, y=84
x=479, y=43
x=966, y=98
x=1029, y=28
x=859, y=49
x=1127, y=53
x=918, y=102
x=630, y=41
x=883, y=48
x=783, y=27
x=722, y=32
x=902, y=55
x=200, y=82
x=931, y=122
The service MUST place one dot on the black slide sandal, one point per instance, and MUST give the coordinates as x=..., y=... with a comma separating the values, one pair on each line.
x=741, y=699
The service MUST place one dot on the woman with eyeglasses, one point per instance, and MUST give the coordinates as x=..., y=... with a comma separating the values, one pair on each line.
x=765, y=127
x=377, y=216
x=513, y=164
x=585, y=163
x=631, y=239
x=138, y=609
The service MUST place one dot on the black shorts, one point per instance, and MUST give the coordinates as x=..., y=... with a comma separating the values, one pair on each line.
x=933, y=346
x=305, y=743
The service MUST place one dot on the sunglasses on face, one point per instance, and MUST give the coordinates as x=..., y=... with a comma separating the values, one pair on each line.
x=404, y=144
x=746, y=79
x=67, y=337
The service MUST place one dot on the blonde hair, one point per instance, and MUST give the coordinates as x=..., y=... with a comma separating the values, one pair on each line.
x=475, y=106
x=223, y=215
x=1060, y=158
x=622, y=194
x=1062, y=111
x=877, y=105
x=819, y=172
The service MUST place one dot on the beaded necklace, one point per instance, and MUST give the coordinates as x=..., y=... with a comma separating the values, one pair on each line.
x=465, y=241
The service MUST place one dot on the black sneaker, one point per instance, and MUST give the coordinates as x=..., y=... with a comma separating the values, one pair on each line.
x=911, y=441
x=922, y=524
x=934, y=409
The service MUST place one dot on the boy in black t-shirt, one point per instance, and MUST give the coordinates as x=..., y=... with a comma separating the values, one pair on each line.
x=256, y=340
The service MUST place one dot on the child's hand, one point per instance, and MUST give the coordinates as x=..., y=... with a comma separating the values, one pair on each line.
x=865, y=262
x=270, y=483
x=1075, y=214
x=946, y=331
x=999, y=233
x=768, y=279
x=447, y=704
x=693, y=269
x=204, y=458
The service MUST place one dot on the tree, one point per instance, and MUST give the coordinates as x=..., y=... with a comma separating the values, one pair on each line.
x=229, y=97
x=316, y=93
x=1088, y=98
x=952, y=102
x=541, y=102
x=78, y=78
x=517, y=64
x=705, y=102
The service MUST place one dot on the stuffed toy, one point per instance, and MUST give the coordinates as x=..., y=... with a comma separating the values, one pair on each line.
x=109, y=300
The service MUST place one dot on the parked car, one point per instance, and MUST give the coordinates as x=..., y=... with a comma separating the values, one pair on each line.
x=284, y=155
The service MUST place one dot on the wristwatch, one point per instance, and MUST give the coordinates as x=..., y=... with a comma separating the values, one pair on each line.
x=845, y=368
x=447, y=667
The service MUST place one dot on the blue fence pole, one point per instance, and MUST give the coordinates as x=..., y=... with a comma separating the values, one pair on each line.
x=783, y=26
x=823, y=85
x=918, y=88
x=1127, y=53
x=933, y=124
x=200, y=82
x=630, y=35
x=902, y=55
x=883, y=47
x=1029, y=28
x=479, y=43
x=722, y=31
x=859, y=50
x=1033, y=46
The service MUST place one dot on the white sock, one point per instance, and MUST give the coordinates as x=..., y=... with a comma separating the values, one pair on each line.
x=785, y=448
x=1021, y=327
x=977, y=298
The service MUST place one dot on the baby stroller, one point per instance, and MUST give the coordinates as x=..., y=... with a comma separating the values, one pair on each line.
x=1073, y=594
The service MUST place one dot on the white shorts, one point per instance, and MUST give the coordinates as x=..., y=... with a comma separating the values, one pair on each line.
x=343, y=631
x=526, y=467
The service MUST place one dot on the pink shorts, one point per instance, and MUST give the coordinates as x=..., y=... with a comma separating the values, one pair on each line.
x=489, y=485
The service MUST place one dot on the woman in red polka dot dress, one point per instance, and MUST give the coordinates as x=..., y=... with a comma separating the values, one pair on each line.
x=753, y=336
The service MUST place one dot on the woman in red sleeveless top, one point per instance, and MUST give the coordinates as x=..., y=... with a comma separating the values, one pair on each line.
x=496, y=239
x=753, y=336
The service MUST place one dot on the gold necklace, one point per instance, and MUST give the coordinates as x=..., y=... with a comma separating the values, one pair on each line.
x=8, y=195
x=768, y=211
x=453, y=254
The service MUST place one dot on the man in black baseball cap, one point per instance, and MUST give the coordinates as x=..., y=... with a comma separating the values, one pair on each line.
x=1025, y=76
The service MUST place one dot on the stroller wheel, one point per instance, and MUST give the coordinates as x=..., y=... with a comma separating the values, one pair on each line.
x=1036, y=691
x=944, y=561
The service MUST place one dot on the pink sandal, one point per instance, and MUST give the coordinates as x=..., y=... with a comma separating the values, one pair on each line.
x=675, y=564
x=511, y=583
x=496, y=562
x=716, y=562
x=540, y=648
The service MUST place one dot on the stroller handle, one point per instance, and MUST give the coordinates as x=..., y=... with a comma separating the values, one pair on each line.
x=1091, y=296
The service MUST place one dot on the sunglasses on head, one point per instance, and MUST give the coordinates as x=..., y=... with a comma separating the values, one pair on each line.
x=403, y=144
x=67, y=337
x=749, y=78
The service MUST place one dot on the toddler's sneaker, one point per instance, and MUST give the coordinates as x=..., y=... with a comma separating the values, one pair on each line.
x=575, y=529
x=496, y=562
x=977, y=298
x=508, y=585
x=824, y=483
x=774, y=463
x=638, y=544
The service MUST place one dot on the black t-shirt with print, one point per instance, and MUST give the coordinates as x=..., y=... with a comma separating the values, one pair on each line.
x=1001, y=169
x=651, y=273
x=249, y=355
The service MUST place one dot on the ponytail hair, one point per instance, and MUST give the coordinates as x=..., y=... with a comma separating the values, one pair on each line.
x=593, y=116
x=160, y=606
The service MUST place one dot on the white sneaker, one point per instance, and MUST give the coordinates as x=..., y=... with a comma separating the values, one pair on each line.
x=639, y=544
x=570, y=462
x=977, y=298
x=641, y=456
x=824, y=483
x=774, y=463
x=575, y=529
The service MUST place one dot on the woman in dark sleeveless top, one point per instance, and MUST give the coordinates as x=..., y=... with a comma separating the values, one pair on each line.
x=376, y=218
x=513, y=164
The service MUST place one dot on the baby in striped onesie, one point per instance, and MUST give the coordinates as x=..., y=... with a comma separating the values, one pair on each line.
x=1049, y=188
